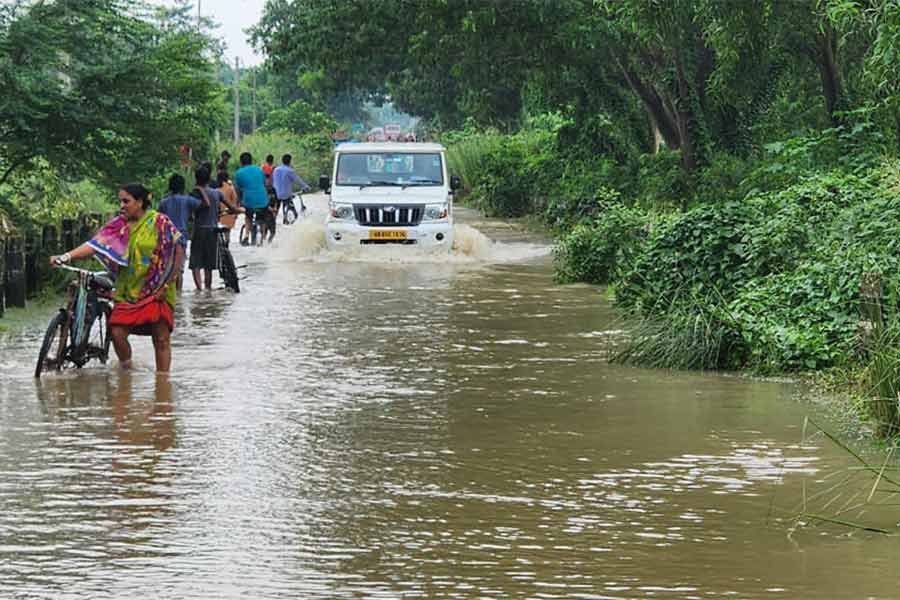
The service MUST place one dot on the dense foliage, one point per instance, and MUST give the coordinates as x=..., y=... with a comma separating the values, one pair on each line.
x=97, y=93
x=96, y=88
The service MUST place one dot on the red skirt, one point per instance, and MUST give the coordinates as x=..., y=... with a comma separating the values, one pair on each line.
x=140, y=316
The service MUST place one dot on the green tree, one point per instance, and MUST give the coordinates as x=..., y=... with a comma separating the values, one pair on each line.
x=299, y=117
x=95, y=87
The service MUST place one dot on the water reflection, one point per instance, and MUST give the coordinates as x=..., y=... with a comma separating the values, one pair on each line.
x=89, y=486
x=141, y=420
x=366, y=430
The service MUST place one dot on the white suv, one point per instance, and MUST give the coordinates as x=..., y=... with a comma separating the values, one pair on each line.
x=390, y=193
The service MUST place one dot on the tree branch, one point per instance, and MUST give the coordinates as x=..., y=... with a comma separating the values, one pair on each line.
x=654, y=105
x=15, y=165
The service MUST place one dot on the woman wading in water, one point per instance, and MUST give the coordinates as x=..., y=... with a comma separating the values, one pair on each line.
x=140, y=247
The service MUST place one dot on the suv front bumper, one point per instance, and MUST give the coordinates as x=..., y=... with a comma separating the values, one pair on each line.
x=432, y=236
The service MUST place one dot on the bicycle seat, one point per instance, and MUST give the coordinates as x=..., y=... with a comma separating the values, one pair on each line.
x=222, y=229
x=102, y=281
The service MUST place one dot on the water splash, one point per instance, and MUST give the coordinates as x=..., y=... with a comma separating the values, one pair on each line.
x=305, y=241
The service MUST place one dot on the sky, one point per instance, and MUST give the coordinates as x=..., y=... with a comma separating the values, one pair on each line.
x=233, y=17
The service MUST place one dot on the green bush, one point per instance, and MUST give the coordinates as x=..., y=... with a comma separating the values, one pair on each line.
x=881, y=380
x=595, y=251
x=41, y=195
x=661, y=182
x=721, y=179
x=578, y=192
x=700, y=251
x=852, y=147
x=509, y=174
x=799, y=320
x=531, y=173
x=465, y=154
x=786, y=266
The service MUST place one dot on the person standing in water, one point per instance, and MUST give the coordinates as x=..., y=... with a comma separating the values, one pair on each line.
x=178, y=206
x=205, y=243
x=141, y=248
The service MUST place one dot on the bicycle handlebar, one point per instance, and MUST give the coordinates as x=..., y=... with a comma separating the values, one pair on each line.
x=66, y=267
x=91, y=274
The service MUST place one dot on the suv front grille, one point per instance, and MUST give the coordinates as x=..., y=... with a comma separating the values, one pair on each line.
x=377, y=215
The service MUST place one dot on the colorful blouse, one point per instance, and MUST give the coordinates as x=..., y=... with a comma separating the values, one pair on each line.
x=141, y=255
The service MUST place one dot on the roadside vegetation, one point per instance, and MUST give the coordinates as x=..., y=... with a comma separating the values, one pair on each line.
x=102, y=93
x=755, y=263
x=729, y=170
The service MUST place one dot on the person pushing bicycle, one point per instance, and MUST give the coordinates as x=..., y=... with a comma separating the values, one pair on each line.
x=140, y=246
x=284, y=179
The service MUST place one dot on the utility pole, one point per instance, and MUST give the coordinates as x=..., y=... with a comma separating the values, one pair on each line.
x=253, y=123
x=198, y=14
x=237, y=101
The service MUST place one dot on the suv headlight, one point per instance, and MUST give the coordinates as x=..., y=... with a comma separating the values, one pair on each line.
x=342, y=212
x=435, y=212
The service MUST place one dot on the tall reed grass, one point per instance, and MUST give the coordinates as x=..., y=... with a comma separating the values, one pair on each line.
x=881, y=380
x=693, y=336
x=861, y=496
x=466, y=156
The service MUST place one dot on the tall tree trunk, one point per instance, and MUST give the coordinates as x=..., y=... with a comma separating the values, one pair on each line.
x=685, y=116
x=826, y=57
x=660, y=114
x=656, y=137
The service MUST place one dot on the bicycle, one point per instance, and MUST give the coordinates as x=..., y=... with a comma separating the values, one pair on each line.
x=250, y=230
x=227, y=269
x=287, y=206
x=80, y=331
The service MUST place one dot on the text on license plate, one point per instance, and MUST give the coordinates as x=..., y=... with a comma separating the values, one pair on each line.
x=387, y=234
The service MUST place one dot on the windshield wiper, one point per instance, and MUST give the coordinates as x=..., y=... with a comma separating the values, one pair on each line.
x=381, y=183
x=416, y=182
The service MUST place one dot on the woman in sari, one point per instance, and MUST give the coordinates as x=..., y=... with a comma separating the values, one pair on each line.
x=140, y=247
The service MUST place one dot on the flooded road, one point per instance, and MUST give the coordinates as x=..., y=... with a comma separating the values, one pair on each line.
x=375, y=427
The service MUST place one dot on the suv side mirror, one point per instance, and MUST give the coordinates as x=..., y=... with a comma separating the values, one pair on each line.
x=455, y=182
x=325, y=183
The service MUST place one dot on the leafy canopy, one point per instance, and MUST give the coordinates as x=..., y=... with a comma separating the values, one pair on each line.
x=96, y=87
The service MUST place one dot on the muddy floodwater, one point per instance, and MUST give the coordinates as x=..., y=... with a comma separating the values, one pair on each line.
x=378, y=425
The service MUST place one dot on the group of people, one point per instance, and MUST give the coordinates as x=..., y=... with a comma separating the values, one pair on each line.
x=263, y=190
x=145, y=248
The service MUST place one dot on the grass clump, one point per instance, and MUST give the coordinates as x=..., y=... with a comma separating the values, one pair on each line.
x=880, y=381
x=695, y=336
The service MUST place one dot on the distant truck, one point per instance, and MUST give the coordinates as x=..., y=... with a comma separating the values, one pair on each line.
x=390, y=193
x=393, y=132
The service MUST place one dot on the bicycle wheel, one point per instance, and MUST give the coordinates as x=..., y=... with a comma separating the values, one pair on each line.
x=271, y=221
x=98, y=336
x=227, y=270
x=245, y=235
x=55, y=337
x=289, y=208
x=255, y=234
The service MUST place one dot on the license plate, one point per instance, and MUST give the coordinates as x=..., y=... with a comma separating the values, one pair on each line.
x=387, y=234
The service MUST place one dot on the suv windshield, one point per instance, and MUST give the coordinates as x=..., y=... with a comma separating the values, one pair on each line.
x=390, y=168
